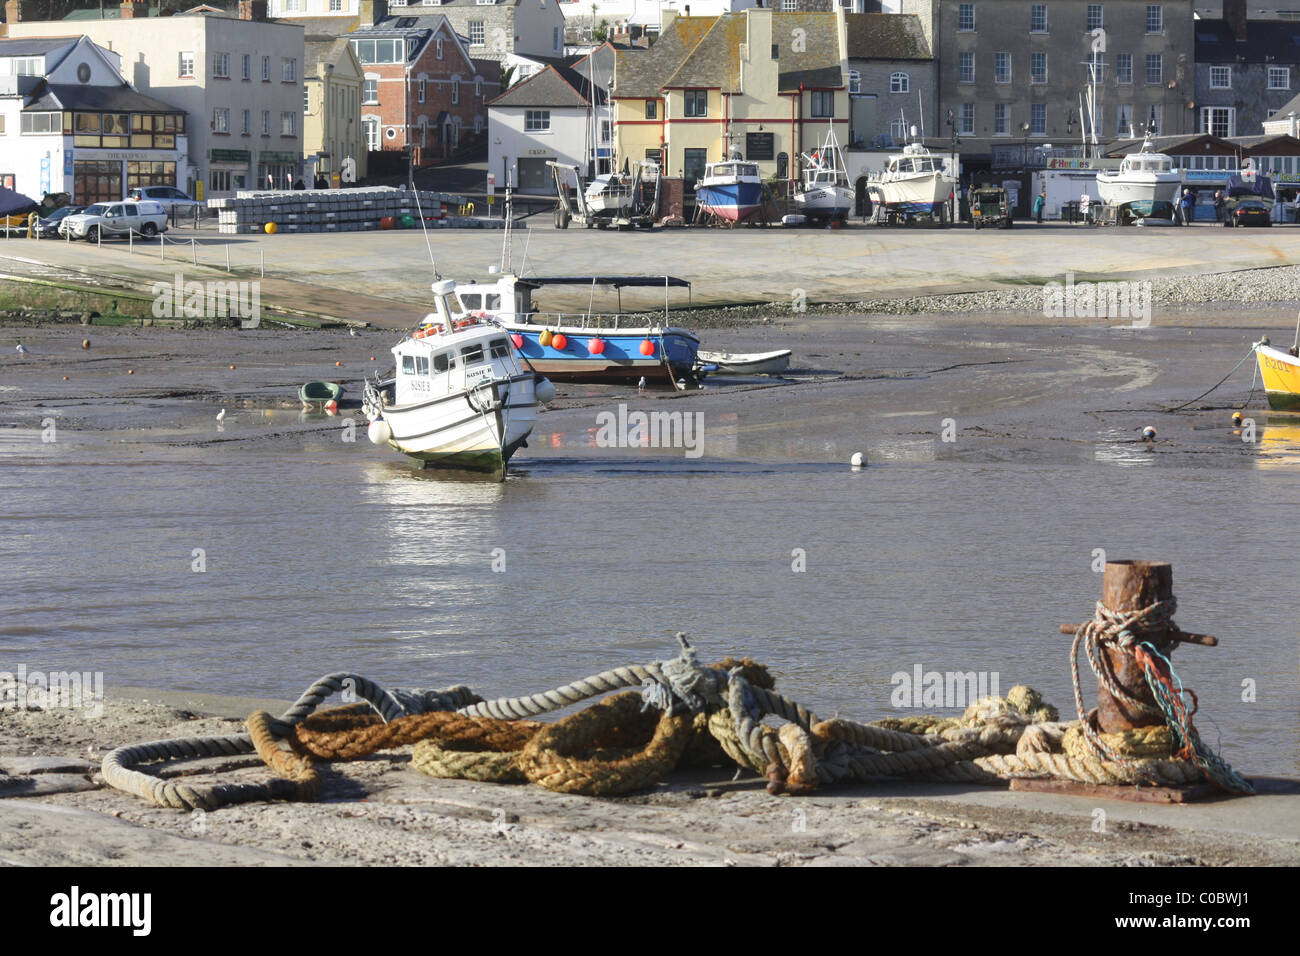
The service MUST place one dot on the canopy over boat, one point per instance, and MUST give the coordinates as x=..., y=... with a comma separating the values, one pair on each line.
x=617, y=282
x=15, y=204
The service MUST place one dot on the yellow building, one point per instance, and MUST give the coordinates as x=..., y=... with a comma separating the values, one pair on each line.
x=332, y=134
x=762, y=84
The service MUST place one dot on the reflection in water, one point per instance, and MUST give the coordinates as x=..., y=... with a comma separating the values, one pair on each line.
x=1279, y=445
x=1119, y=448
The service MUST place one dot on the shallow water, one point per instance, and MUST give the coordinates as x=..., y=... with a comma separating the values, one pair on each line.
x=324, y=555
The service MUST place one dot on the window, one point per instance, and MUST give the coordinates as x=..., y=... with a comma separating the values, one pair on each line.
x=306, y=100
x=336, y=6
x=289, y=70
x=694, y=161
x=557, y=39
x=1155, y=18
x=606, y=131
x=966, y=119
x=39, y=123
x=266, y=122
x=1124, y=120
x=1124, y=67
x=899, y=82
x=651, y=109
x=246, y=67
x=33, y=66
x=1220, y=77
x=419, y=96
x=266, y=69
x=1154, y=71
x=1154, y=120
x=965, y=16
x=186, y=68
x=371, y=128
x=1001, y=119
x=439, y=47
x=221, y=121
x=1094, y=17
x=1038, y=18
x=221, y=66
x=383, y=51
x=697, y=103
x=1218, y=120
x=478, y=87
x=1096, y=64
x=476, y=32
x=1037, y=119
x=288, y=124
x=789, y=6
x=1038, y=68
x=370, y=90
x=455, y=92
x=1001, y=67
x=537, y=121
x=855, y=82
x=966, y=67
x=823, y=103
x=898, y=130
x=1279, y=77
x=245, y=118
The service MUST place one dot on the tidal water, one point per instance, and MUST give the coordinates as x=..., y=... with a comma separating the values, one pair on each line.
x=253, y=567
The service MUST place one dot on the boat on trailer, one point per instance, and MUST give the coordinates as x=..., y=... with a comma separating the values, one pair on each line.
x=731, y=191
x=460, y=397
x=824, y=193
x=587, y=346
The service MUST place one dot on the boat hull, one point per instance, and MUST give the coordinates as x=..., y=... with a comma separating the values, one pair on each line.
x=450, y=432
x=765, y=363
x=1280, y=373
x=1135, y=189
x=919, y=193
x=734, y=201
x=825, y=202
x=621, y=360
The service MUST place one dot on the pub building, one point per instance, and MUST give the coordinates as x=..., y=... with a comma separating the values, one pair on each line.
x=81, y=129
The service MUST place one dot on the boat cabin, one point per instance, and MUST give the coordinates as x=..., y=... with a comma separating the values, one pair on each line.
x=733, y=168
x=913, y=163
x=1146, y=163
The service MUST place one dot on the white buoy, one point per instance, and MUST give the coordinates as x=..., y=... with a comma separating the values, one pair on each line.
x=545, y=391
x=858, y=460
x=22, y=349
x=1149, y=433
x=379, y=432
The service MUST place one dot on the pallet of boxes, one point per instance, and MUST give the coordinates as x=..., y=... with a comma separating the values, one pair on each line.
x=337, y=210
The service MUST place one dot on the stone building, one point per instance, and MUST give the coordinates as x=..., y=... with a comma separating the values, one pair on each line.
x=333, y=140
x=1246, y=71
x=891, y=79
x=1012, y=71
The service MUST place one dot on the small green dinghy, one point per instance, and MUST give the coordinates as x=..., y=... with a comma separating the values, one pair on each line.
x=320, y=393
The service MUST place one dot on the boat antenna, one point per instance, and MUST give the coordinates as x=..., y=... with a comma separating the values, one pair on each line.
x=507, y=240
x=921, y=106
x=592, y=298
x=1296, y=347
x=424, y=228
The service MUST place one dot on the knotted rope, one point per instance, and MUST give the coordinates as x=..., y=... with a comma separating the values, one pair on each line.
x=1131, y=633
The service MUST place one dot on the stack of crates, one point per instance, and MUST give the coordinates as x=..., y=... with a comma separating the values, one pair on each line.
x=329, y=210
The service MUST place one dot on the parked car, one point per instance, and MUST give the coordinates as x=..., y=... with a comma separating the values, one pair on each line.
x=145, y=218
x=49, y=226
x=169, y=197
x=1249, y=212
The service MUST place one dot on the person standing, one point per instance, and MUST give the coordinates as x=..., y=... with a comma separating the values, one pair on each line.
x=1039, y=202
x=1218, y=205
x=1188, y=205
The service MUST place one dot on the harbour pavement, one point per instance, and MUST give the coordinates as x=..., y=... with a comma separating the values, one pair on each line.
x=382, y=277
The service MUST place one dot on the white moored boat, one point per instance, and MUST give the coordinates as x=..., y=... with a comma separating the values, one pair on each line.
x=460, y=397
x=824, y=192
x=754, y=363
x=1144, y=181
x=913, y=182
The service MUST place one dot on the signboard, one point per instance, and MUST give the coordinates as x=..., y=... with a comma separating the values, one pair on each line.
x=1059, y=162
x=492, y=184
x=67, y=162
x=760, y=146
x=45, y=173
x=117, y=155
x=229, y=155
x=268, y=156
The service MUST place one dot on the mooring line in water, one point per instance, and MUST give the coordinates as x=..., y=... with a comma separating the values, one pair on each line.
x=1220, y=381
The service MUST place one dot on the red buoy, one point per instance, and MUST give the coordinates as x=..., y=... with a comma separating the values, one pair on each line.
x=517, y=339
x=595, y=346
x=647, y=347
x=559, y=341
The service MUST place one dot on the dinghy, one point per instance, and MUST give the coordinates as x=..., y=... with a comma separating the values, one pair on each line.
x=756, y=363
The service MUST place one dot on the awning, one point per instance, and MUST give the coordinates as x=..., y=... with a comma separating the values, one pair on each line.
x=617, y=282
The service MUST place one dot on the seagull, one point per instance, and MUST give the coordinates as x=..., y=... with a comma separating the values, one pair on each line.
x=640, y=386
x=352, y=332
x=221, y=415
x=22, y=349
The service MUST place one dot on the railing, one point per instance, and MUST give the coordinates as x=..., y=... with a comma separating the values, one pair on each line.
x=583, y=320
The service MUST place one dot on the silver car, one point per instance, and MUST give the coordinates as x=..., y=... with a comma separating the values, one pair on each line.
x=169, y=197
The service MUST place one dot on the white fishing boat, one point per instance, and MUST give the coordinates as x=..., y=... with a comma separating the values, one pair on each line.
x=609, y=195
x=754, y=363
x=459, y=398
x=824, y=192
x=914, y=181
x=1144, y=181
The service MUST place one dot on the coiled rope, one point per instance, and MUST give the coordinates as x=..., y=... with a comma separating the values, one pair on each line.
x=684, y=713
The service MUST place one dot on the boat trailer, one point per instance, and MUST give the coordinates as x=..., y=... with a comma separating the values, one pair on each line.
x=571, y=205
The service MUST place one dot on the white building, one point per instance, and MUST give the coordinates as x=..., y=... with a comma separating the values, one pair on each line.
x=544, y=117
x=69, y=123
x=239, y=82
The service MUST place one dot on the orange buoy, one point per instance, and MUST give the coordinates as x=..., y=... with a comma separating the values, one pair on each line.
x=232, y=368
x=338, y=364
x=595, y=345
x=85, y=343
x=372, y=358
x=647, y=347
x=65, y=378
x=130, y=371
x=559, y=340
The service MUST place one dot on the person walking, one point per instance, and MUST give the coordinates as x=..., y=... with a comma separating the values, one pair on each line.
x=1039, y=202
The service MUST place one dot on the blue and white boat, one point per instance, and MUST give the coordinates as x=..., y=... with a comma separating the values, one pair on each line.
x=587, y=346
x=731, y=190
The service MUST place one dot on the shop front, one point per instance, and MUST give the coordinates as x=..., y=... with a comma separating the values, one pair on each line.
x=277, y=170
x=228, y=171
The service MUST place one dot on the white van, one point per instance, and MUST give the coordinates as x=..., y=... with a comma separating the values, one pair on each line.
x=145, y=218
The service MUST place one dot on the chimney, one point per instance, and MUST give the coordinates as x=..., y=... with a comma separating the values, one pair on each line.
x=135, y=9
x=1234, y=11
x=372, y=11
x=252, y=9
x=13, y=11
